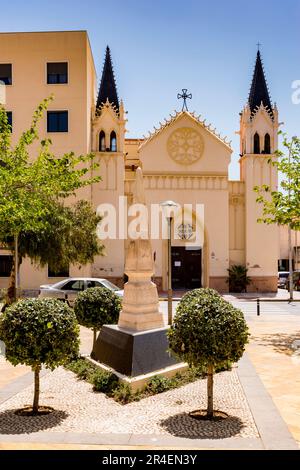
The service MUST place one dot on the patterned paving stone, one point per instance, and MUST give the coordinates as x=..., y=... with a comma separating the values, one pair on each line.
x=78, y=409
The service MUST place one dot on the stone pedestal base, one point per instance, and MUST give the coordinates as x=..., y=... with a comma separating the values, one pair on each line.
x=133, y=353
x=140, y=309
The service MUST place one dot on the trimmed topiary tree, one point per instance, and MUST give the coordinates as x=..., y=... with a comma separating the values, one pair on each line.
x=208, y=332
x=95, y=307
x=39, y=332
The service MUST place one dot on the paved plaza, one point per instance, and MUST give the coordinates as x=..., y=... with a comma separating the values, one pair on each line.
x=247, y=393
x=81, y=410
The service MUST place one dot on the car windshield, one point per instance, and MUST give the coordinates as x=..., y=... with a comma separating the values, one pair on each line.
x=109, y=285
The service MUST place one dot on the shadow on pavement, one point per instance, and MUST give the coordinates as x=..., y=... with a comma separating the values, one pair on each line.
x=182, y=425
x=10, y=423
x=280, y=342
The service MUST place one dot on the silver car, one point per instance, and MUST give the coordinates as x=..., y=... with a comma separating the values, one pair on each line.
x=68, y=289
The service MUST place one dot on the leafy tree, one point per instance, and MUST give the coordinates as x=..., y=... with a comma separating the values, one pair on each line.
x=238, y=279
x=207, y=332
x=95, y=307
x=283, y=206
x=71, y=237
x=39, y=332
x=32, y=192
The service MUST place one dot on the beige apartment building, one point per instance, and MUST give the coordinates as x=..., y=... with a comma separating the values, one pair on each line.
x=184, y=159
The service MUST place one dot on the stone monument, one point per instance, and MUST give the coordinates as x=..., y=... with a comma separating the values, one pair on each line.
x=138, y=344
x=140, y=310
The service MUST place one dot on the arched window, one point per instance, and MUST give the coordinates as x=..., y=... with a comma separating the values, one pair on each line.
x=102, y=141
x=256, y=147
x=113, y=142
x=267, y=144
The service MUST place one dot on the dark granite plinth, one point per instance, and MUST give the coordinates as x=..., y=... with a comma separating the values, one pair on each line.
x=133, y=353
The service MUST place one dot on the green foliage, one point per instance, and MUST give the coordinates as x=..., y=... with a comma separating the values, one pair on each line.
x=103, y=381
x=193, y=373
x=29, y=188
x=283, y=206
x=238, y=279
x=108, y=383
x=159, y=384
x=82, y=368
x=70, y=238
x=207, y=330
x=39, y=331
x=32, y=191
x=123, y=394
x=97, y=306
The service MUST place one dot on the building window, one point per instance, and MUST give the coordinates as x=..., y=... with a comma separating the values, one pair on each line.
x=267, y=144
x=6, y=264
x=57, y=72
x=6, y=74
x=102, y=141
x=256, y=144
x=113, y=142
x=57, y=121
x=63, y=272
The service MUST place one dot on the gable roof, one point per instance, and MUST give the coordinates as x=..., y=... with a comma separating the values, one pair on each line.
x=191, y=115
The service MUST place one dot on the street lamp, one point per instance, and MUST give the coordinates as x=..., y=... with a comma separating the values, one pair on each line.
x=291, y=280
x=168, y=207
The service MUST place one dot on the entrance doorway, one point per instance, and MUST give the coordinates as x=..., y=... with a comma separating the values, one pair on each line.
x=186, y=267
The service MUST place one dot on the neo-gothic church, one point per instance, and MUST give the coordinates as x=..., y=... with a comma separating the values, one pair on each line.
x=187, y=161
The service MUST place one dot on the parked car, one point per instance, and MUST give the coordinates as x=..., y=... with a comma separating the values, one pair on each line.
x=68, y=289
x=282, y=277
x=296, y=281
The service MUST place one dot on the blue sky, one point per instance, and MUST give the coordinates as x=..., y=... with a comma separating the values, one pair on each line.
x=161, y=46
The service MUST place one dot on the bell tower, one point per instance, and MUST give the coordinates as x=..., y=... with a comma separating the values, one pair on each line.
x=109, y=121
x=258, y=142
x=259, y=119
x=108, y=137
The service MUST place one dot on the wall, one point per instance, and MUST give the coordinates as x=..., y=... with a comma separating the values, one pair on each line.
x=262, y=241
x=29, y=54
x=237, y=222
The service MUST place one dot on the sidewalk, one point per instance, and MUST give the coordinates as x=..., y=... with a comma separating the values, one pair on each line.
x=8, y=373
x=277, y=364
x=281, y=295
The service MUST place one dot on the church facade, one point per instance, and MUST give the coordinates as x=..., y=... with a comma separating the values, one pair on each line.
x=184, y=160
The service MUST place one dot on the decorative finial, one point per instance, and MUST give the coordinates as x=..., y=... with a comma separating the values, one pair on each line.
x=258, y=46
x=184, y=96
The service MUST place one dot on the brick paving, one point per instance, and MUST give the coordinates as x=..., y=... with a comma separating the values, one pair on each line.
x=78, y=409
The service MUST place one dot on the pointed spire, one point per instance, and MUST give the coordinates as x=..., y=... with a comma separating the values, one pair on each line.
x=259, y=92
x=108, y=89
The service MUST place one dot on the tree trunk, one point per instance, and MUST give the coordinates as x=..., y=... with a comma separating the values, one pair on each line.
x=35, y=407
x=11, y=291
x=210, y=391
x=12, y=285
x=94, y=341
